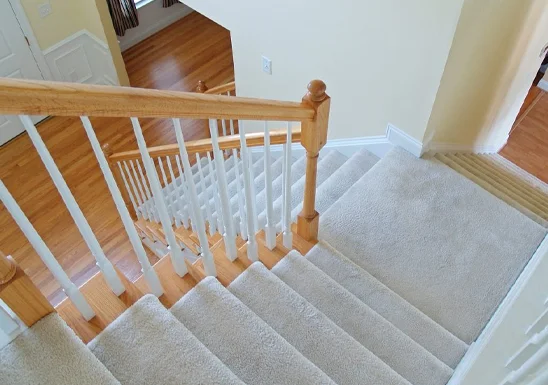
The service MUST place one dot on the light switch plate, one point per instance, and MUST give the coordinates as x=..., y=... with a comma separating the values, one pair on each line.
x=44, y=9
x=267, y=65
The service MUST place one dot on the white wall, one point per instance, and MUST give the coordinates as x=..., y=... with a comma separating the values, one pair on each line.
x=382, y=60
x=152, y=18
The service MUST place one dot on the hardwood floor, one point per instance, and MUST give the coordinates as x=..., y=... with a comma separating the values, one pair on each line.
x=175, y=58
x=527, y=146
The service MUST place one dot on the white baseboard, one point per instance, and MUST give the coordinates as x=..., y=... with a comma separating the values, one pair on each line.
x=81, y=58
x=152, y=18
x=451, y=147
x=543, y=85
x=488, y=333
x=378, y=145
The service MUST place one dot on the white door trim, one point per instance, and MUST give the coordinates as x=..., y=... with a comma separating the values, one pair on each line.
x=33, y=43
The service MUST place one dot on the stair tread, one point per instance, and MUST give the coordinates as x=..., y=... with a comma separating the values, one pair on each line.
x=411, y=321
x=242, y=340
x=326, y=345
x=148, y=330
x=521, y=173
x=341, y=180
x=381, y=337
x=327, y=165
x=434, y=237
x=50, y=353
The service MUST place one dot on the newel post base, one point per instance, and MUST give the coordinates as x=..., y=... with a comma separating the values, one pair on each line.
x=313, y=138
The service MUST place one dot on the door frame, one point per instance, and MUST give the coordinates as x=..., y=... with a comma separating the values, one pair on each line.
x=35, y=49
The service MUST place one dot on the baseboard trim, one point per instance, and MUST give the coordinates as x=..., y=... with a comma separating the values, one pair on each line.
x=153, y=28
x=451, y=147
x=485, y=337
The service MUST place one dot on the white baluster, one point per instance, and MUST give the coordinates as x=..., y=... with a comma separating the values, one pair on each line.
x=176, y=193
x=241, y=204
x=287, y=233
x=223, y=125
x=229, y=234
x=177, y=258
x=170, y=196
x=541, y=378
x=148, y=272
x=529, y=367
x=129, y=192
x=252, y=251
x=216, y=200
x=150, y=202
x=143, y=199
x=110, y=275
x=212, y=227
x=45, y=254
x=270, y=227
x=209, y=264
x=7, y=324
x=187, y=213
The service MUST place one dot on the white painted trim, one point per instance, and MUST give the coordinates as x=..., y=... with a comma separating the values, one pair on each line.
x=543, y=85
x=402, y=139
x=74, y=36
x=21, y=17
x=157, y=26
x=503, y=310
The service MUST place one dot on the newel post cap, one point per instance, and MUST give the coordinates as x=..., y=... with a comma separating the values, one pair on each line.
x=201, y=87
x=316, y=91
x=107, y=149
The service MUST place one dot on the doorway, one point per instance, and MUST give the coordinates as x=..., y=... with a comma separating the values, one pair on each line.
x=16, y=61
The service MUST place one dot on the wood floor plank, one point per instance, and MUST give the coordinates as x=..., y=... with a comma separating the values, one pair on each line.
x=192, y=49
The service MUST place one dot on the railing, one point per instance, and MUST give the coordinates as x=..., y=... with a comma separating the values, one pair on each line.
x=159, y=184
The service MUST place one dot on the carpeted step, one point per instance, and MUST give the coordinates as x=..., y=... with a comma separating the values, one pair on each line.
x=514, y=169
x=490, y=188
x=411, y=321
x=395, y=348
x=325, y=344
x=242, y=340
x=327, y=165
x=297, y=171
x=511, y=182
x=148, y=345
x=434, y=237
x=50, y=353
x=496, y=184
x=338, y=183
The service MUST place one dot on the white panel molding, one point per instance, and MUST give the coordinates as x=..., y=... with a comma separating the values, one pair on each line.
x=81, y=58
x=152, y=18
x=477, y=348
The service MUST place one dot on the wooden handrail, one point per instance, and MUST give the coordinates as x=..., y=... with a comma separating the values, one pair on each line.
x=32, y=97
x=222, y=89
x=204, y=145
x=20, y=294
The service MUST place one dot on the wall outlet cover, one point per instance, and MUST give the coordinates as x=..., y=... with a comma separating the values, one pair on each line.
x=266, y=65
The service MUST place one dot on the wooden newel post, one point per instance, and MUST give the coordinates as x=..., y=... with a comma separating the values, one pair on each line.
x=201, y=87
x=313, y=138
x=107, y=150
x=20, y=294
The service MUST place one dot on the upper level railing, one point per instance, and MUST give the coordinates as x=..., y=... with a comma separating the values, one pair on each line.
x=132, y=183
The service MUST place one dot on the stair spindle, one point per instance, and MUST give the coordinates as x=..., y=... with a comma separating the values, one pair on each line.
x=45, y=255
x=149, y=201
x=207, y=257
x=205, y=195
x=177, y=258
x=229, y=234
x=148, y=272
x=270, y=227
x=241, y=208
x=110, y=274
x=186, y=210
x=313, y=138
x=141, y=196
x=179, y=199
x=172, y=207
x=138, y=213
x=252, y=249
x=286, y=225
x=216, y=200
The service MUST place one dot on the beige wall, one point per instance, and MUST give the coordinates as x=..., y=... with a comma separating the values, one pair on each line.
x=382, y=60
x=493, y=60
x=67, y=18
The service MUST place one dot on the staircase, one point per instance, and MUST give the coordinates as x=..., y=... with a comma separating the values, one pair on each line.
x=407, y=265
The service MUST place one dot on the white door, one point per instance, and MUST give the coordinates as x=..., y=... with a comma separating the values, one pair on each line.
x=16, y=61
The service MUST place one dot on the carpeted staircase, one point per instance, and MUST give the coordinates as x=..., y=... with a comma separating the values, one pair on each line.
x=413, y=260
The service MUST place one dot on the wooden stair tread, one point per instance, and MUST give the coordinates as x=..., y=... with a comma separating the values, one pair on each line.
x=106, y=305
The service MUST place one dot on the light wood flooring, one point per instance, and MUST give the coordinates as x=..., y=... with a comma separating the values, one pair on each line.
x=189, y=50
